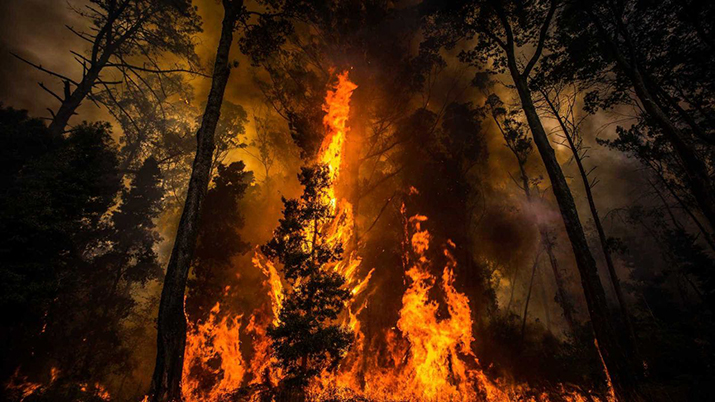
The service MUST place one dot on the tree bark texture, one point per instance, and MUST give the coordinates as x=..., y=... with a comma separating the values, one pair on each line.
x=617, y=358
x=171, y=337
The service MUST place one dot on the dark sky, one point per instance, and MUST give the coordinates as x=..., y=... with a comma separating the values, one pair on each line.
x=35, y=30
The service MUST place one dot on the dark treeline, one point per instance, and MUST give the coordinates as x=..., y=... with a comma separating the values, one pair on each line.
x=562, y=149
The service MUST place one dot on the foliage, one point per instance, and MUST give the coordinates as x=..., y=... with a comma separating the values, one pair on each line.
x=72, y=255
x=307, y=340
x=215, y=278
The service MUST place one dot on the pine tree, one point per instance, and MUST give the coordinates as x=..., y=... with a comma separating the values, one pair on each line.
x=307, y=340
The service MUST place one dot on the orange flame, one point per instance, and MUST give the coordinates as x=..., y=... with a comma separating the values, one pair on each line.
x=429, y=357
x=207, y=342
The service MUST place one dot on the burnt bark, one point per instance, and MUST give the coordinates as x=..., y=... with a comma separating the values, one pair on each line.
x=171, y=337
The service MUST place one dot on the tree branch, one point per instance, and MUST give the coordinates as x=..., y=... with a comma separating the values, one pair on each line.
x=543, y=33
x=39, y=67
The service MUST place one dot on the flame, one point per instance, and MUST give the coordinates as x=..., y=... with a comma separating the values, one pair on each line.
x=427, y=355
x=273, y=280
x=214, y=339
x=337, y=111
x=22, y=388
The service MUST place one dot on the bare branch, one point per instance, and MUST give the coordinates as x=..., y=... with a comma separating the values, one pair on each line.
x=157, y=71
x=51, y=93
x=39, y=67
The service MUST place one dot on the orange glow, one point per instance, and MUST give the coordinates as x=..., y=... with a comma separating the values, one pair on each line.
x=206, y=342
x=426, y=356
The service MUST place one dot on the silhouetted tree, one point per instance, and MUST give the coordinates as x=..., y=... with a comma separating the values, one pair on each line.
x=171, y=338
x=306, y=339
x=126, y=41
x=657, y=55
x=57, y=192
x=503, y=29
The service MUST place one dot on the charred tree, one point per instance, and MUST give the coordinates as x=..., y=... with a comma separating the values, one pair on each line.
x=171, y=336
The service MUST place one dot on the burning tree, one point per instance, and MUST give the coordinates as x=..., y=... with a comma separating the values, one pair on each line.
x=306, y=338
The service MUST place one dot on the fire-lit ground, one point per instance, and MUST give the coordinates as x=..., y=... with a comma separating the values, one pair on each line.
x=429, y=354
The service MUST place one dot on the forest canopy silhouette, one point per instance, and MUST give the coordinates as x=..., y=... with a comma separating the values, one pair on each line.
x=378, y=201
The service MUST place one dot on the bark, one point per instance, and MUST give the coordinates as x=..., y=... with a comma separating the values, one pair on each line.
x=171, y=337
x=602, y=238
x=616, y=357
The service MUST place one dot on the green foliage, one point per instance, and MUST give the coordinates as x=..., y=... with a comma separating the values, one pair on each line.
x=306, y=340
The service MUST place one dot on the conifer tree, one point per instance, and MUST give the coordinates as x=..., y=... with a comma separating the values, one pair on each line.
x=307, y=339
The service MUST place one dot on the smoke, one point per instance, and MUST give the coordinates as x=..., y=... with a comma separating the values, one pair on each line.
x=503, y=235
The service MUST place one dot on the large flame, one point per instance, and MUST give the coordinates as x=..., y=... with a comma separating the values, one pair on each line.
x=427, y=356
x=428, y=353
x=213, y=348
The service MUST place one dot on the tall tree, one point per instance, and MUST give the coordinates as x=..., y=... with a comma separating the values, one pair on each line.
x=57, y=192
x=520, y=145
x=659, y=58
x=558, y=101
x=502, y=39
x=306, y=339
x=171, y=337
x=126, y=40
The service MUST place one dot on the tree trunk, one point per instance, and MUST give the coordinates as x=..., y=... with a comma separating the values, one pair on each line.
x=171, y=337
x=616, y=357
x=562, y=297
x=72, y=100
x=603, y=240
